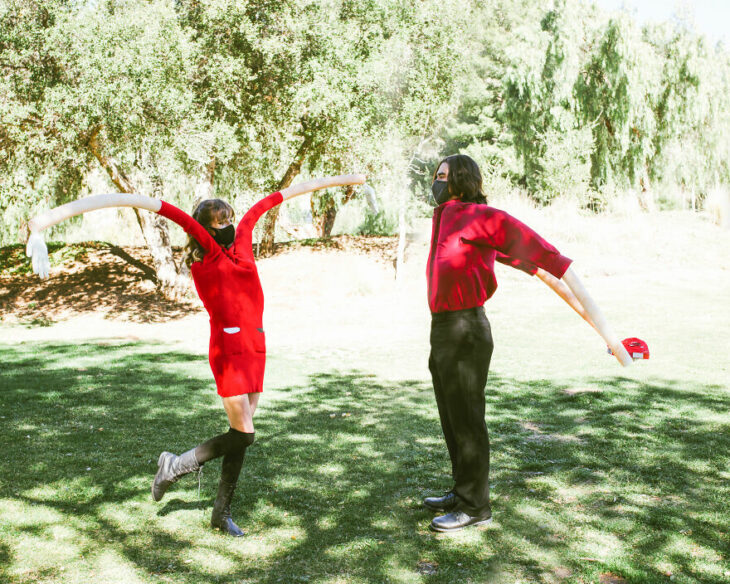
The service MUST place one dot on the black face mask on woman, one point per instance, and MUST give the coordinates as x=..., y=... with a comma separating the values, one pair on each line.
x=225, y=235
x=440, y=191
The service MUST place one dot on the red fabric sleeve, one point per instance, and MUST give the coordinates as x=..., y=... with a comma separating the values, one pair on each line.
x=516, y=240
x=255, y=212
x=527, y=267
x=190, y=225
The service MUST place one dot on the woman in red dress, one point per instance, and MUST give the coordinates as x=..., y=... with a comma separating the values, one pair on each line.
x=224, y=272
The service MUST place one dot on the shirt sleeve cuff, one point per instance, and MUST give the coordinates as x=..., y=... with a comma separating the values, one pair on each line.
x=527, y=267
x=557, y=265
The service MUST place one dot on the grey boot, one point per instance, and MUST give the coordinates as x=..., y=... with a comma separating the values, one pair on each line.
x=170, y=468
x=221, y=517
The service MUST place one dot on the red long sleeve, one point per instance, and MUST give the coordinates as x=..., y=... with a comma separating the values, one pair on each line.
x=510, y=236
x=516, y=263
x=254, y=213
x=191, y=227
x=466, y=240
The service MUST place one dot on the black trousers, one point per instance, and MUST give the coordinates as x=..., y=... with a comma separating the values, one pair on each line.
x=461, y=348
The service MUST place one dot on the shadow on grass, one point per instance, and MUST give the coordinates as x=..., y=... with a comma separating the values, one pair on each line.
x=327, y=496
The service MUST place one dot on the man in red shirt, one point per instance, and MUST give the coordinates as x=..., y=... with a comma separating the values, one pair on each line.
x=467, y=237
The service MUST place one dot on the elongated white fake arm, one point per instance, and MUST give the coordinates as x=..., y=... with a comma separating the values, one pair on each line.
x=322, y=183
x=562, y=290
x=596, y=317
x=54, y=216
x=36, y=248
x=38, y=252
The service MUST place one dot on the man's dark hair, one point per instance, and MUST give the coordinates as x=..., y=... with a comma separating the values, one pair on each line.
x=464, y=179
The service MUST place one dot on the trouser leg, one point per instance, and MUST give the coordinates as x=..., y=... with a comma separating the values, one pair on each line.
x=443, y=414
x=462, y=349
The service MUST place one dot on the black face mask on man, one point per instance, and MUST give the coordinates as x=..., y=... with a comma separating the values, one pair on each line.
x=440, y=191
x=224, y=235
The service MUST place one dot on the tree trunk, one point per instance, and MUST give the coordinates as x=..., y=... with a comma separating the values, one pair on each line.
x=170, y=282
x=267, y=239
x=204, y=189
x=324, y=211
x=400, y=256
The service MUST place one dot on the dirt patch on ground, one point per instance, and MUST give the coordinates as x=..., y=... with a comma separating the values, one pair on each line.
x=85, y=277
x=120, y=282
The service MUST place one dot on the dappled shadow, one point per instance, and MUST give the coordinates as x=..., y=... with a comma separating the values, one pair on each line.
x=646, y=462
x=342, y=461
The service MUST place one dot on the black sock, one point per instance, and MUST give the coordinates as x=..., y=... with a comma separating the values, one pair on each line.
x=233, y=459
x=232, y=442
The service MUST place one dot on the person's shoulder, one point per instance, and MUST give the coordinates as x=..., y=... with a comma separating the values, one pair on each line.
x=481, y=209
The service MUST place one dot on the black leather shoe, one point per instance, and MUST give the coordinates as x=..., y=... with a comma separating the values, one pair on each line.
x=458, y=520
x=445, y=503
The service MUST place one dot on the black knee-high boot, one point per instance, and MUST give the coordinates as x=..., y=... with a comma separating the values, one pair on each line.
x=221, y=516
x=230, y=470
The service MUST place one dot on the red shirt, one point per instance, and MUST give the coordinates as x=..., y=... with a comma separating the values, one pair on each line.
x=466, y=240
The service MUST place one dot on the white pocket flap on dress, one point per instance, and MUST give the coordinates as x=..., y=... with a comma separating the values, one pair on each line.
x=232, y=329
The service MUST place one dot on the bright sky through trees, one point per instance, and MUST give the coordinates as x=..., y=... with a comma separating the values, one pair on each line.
x=710, y=16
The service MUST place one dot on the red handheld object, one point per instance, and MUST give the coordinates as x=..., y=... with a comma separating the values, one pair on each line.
x=637, y=348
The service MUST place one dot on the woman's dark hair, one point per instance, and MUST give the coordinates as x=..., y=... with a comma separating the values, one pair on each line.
x=464, y=179
x=207, y=212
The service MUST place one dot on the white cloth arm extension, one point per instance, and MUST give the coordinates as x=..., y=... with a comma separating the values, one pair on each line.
x=37, y=251
x=562, y=290
x=596, y=316
x=369, y=193
x=322, y=183
x=36, y=248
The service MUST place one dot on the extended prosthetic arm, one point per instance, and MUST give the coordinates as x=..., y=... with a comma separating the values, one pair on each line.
x=36, y=248
x=322, y=183
x=571, y=289
x=562, y=290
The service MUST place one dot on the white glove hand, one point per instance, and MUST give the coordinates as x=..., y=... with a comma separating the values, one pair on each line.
x=38, y=252
x=369, y=193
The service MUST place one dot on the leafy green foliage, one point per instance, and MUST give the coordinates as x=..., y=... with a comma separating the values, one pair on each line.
x=612, y=95
x=236, y=94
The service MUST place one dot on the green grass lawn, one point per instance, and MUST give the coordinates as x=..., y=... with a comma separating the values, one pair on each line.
x=593, y=477
x=599, y=474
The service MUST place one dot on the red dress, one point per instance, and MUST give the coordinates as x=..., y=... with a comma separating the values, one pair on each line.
x=228, y=284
